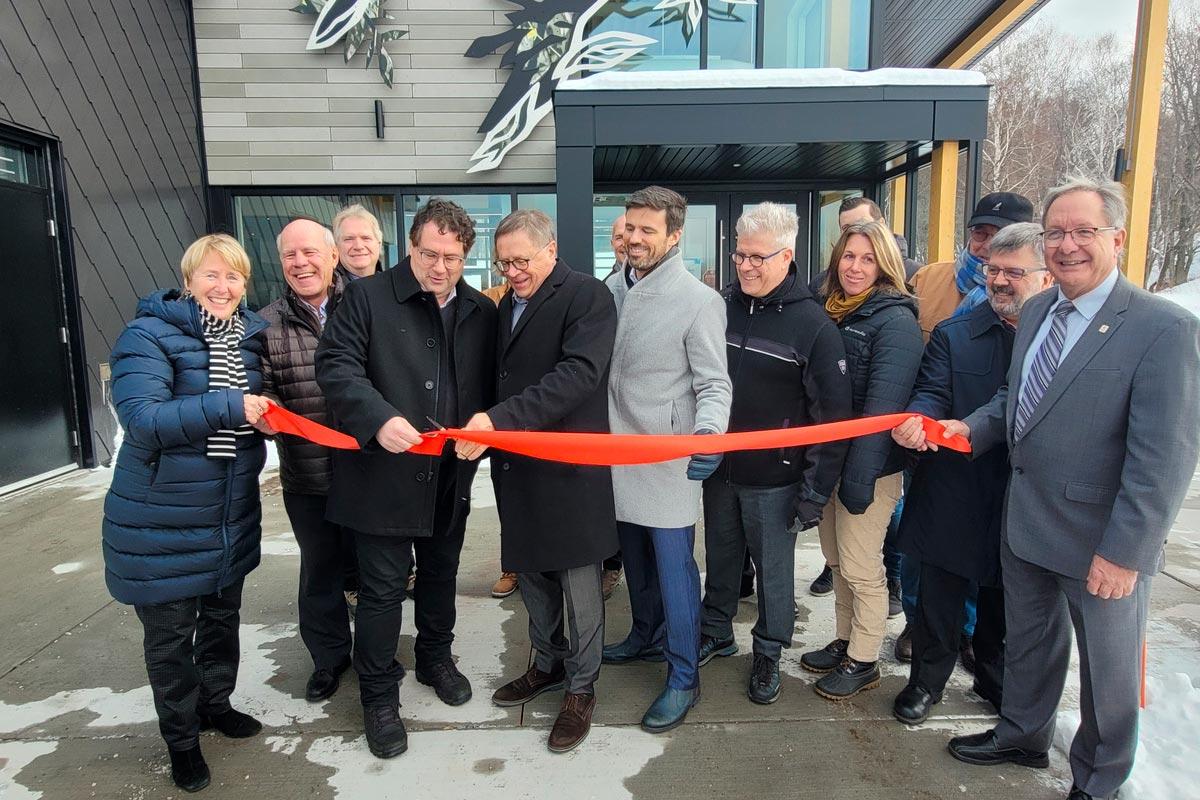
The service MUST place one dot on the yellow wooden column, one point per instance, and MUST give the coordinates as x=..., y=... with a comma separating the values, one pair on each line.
x=943, y=185
x=979, y=40
x=1141, y=132
x=897, y=198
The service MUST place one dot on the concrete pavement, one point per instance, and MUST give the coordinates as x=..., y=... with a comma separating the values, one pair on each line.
x=77, y=721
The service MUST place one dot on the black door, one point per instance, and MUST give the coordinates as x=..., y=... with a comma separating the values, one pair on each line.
x=35, y=389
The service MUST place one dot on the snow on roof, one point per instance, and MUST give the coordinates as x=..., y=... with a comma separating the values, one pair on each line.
x=773, y=78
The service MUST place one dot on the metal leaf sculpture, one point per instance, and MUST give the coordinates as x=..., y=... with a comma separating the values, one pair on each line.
x=354, y=23
x=547, y=45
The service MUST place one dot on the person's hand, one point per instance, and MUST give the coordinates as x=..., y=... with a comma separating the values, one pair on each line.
x=264, y=427
x=1110, y=581
x=254, y=406
x=396, y=435
x=805, y=514
x=701, y=467
x=910, y=434
x=953, y=428
x=469, y=451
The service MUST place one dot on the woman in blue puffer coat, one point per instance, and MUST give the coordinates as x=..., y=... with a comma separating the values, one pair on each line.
x=182, y=519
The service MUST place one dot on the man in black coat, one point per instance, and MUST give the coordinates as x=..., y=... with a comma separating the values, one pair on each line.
x=788, y=368
x=412, y=344
x=555, y=340
x=952, y=512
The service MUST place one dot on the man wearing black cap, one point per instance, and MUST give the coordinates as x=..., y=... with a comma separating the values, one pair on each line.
x=946, y=288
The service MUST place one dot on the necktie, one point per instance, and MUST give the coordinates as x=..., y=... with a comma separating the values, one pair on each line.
x=1045, y=364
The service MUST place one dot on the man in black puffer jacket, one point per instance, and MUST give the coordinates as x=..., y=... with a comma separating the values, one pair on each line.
x=328, y=566
x=788, y=369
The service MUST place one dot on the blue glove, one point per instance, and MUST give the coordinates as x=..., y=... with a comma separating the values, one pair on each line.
x=702, y=467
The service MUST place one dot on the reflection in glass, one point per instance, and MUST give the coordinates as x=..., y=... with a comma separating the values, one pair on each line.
x=259, y=221
x=919, y=248
x=828, y=229
x=18, y=164
x=605, y=210
x=816, y=33
x=676, y=44
x=699, y=243
x=383, y=206
x=547, y=203
x=487, y=210
x=731, y=28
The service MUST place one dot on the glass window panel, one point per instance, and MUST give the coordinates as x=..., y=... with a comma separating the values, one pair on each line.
x=731, y=29
x=487, y=210
x=828, y=229
x=20, y=164
x=816, y=33
x=920, y=247
x=383, y=206
x=960, y=197
x=605, y=210
x=676, y=45
x=699, y=243
x=542, y=202
x=259, y=220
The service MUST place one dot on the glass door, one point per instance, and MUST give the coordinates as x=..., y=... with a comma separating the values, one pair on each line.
x=738, y=202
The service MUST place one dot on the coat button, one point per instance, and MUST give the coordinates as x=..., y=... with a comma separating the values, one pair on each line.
x=431, y=342
x=1019, y=470
x=428, y=384
x=505, y=467
x=420, y=477
x=503, y=374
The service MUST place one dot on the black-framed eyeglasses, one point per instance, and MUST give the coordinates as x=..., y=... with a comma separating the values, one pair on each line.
x=1082, y=236
x=740, y=258
x=1012, y=273
x=429, y=258
x=504, y=265
x=981, y=234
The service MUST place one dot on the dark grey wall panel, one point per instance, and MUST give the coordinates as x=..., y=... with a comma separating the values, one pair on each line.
x=114, y=81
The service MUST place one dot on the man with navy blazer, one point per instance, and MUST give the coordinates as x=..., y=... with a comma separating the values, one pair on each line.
x=951, y=518
x=1102, y=417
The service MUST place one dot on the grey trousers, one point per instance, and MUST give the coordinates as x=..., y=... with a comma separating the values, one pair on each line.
x=1040, y=608
x=546, y=594
x=737, y=518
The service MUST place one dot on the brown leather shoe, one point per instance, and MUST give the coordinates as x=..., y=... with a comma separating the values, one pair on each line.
x=506, y=585
x=609, y=581
x=529, y=686
x=573, y=723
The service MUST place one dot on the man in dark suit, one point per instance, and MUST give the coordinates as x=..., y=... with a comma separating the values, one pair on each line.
x=555, y=340
x=951, y=519
x=1101, y=414
x=412, y=343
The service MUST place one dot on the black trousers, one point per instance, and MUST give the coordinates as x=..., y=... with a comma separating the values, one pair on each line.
x=191, y=649
x=613, y=561
x=938, y=628
x=383, y=565
x=324, y=623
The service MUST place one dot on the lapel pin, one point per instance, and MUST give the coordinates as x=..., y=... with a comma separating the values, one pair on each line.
x=1104, y=329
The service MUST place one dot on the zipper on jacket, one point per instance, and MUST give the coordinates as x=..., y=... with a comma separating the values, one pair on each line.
x=224, y=569
x=733, y=378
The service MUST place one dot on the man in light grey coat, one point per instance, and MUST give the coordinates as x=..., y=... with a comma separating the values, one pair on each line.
x=668, y=376
x=1101, y=414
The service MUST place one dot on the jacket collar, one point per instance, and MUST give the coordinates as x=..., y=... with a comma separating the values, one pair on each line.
x=982, y=319
x=669, y=268
x=508, y=333
x=406, y=287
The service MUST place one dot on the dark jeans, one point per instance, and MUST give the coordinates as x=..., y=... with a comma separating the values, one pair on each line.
x=938, y=628
x=664, y=596
x=191, y=650
x=324, y=623
x=383, y=566
x=755, y=519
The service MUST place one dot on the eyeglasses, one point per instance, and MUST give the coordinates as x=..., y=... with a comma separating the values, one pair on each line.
x=981, y=234
x=1012, y=273
x=1082, y=236
x=740, y=258
x=429, y=258
x=503, y=266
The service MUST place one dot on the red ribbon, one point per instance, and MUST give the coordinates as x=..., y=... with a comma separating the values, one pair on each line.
x=614, y=449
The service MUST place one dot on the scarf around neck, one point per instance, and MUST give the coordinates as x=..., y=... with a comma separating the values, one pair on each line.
x=838, y=305
x=969, y=279
x=226, y=370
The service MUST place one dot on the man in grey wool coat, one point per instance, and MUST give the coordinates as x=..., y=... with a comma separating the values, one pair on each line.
x=668, y=376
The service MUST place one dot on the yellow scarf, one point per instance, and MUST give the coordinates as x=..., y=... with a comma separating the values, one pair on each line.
x=839, y=306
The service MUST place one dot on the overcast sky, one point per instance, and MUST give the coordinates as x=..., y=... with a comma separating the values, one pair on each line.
x=1095, y=17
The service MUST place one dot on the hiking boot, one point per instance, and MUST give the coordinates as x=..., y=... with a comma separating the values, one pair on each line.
x=711, y=647
x=827, y=658
x=823, y=584
x=850, y=678
x=763, y=687
x=386, y=737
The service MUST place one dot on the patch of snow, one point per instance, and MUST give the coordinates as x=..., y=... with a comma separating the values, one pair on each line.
x=1186, y=295
x=66, y=568
x=774, y=78
x=284, y=744
x=14, y=757
x=112, y=709
x=281, y=544
x=255, y=694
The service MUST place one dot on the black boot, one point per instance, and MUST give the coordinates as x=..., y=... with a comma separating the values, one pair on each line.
x=966, y=653
x=450, y=685
x=913, y=704
x=848, y=680
x=827, y=658
x=904, y=644
x=895, y=603
x=822, y=584
x=386, y=737
x=233, y=724
x=189, y=770
x=764, y=680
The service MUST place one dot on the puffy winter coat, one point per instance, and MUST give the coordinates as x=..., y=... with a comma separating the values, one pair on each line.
x=883, y=352
x=178, y=524
x=290, y=378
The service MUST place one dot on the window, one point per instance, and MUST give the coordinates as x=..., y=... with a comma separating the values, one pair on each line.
x=816, y=33
x=731, y=30
x=828, y=230
x=383, y=206
x=919, y=247
x=487, y=210
x=260, y=218
x=542, y=202
x=605, y=210
x=20, y=164
x=676, y=44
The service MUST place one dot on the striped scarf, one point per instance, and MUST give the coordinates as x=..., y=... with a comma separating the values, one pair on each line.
x=225, y=371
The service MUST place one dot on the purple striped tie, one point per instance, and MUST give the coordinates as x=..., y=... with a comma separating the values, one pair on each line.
x=1045, y=364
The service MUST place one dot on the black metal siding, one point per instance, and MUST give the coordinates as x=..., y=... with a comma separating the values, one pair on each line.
x=114, y=80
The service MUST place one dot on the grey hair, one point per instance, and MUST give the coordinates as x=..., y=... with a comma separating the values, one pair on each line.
x=330, y=242
x=1016, y=237
x=357, y=211
x=536, y=224
x=660, y=198
x=1112, y=197
x=773, y=220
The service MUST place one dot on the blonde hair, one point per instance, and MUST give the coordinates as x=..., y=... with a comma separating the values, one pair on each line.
x=887, y=257
x=227, y=247
x=357, y=211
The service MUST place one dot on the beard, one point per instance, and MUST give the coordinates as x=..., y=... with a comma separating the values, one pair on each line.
x=1006, y=304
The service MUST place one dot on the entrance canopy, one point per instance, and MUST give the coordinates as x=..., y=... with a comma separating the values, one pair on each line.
x=747, y=126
